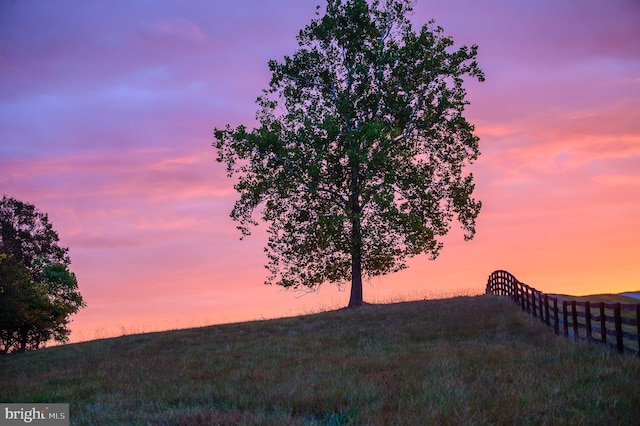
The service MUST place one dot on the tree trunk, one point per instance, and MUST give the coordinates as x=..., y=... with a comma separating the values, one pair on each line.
x=356, y=231
x=23, y=343
x=356, y=262
x=356, y=283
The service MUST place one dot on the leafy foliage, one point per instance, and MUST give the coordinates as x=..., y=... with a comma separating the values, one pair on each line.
x=38, y=293
x=358, y=163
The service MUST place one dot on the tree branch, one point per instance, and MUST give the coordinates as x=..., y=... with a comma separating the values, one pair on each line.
x=339, y=200
x=330, y=89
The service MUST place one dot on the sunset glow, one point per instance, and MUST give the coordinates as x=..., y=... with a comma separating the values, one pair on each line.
x=106, y=117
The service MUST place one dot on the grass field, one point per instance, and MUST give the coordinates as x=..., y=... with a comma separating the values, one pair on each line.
x=464, y=360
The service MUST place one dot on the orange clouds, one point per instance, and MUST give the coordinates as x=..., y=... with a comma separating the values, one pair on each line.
x=106, y=122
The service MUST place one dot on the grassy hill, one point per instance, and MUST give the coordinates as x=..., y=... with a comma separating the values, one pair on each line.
x=465, y=360
x=607, y=298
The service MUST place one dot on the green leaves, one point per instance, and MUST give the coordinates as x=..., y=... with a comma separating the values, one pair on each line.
x=38, y=293
x=363, y=143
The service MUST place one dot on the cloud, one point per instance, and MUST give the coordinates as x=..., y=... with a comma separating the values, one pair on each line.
x=106, y=120
x=177, y=31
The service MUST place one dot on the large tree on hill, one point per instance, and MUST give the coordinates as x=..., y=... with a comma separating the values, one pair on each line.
x=359, y=160
x=38, y=293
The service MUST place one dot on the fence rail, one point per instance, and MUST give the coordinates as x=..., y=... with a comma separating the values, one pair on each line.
x=614, y=324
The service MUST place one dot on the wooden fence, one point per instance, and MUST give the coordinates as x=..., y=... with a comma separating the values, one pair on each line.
x=613, y=324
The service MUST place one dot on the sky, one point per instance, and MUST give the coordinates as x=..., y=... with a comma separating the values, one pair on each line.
x=106, y=117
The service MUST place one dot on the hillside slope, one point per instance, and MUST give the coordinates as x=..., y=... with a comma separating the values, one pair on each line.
x=460, y=360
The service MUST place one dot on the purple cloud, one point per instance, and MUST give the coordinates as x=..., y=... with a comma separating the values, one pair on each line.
x=106, y=118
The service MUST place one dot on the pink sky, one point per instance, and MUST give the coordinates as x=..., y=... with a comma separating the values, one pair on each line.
x=106, y=118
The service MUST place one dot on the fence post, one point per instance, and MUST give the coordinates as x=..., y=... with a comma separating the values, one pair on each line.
x=618, y=320
x=556, y=318
x=603, y=324
x=546, y=309
x=574, y=317
x=533, y=303
x=512, y=290
x=503, y=284
x=638, y=326
x=587, y=317
x=565, y=318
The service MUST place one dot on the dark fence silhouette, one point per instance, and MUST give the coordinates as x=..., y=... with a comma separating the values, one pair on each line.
x=615, y=324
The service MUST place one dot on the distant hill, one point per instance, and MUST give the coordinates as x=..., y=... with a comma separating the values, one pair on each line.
x=608, y=298
x=632, y=294
x=451, y=361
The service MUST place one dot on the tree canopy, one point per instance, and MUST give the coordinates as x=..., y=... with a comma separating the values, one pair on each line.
x=38, y=292
x=358, y=162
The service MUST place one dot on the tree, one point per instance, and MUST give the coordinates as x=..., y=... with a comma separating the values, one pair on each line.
x=38, y=293
x=358, y=163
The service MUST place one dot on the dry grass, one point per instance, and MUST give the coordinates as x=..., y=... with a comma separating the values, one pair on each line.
x=464, y=360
